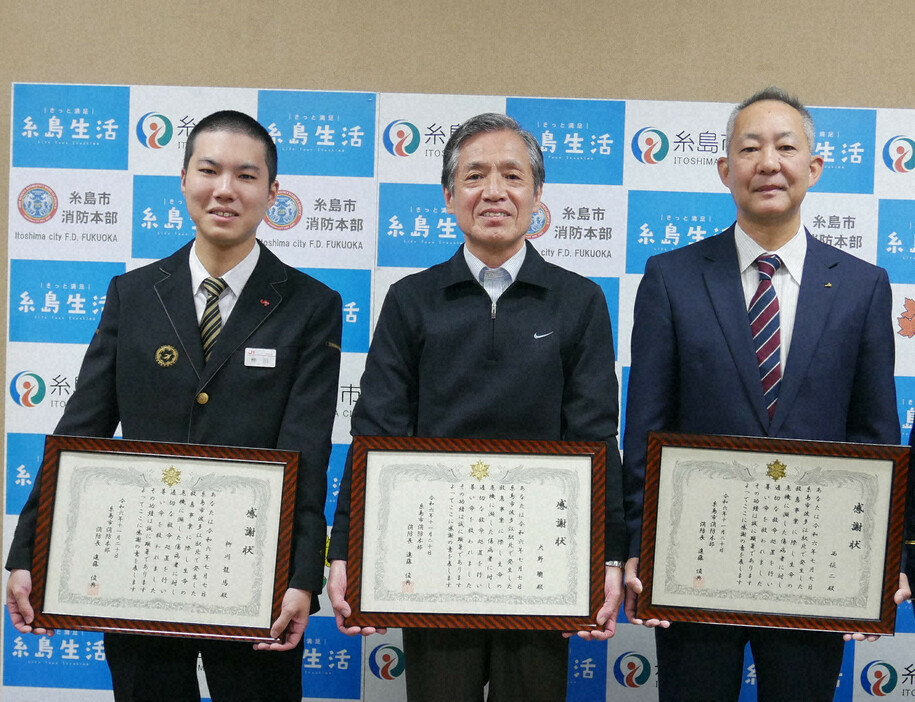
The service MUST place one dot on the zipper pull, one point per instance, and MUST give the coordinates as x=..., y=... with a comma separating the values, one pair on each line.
x=493, y=310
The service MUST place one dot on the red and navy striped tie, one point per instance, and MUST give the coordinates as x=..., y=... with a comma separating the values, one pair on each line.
x=764, y=325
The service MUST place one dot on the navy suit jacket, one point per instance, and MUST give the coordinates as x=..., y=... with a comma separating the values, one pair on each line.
x=694, y=366
x=221, y=402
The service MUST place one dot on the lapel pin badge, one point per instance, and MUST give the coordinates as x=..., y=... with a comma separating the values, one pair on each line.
x=265, y=303
x=166, y=356
x=828, y=285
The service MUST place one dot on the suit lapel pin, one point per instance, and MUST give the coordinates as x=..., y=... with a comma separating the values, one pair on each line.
x=166, y=355
x=265, y=303
x=828, y=285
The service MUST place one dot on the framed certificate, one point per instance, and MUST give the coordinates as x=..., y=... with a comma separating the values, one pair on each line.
x=772, y=532
x=476, y=534
x=159, y=538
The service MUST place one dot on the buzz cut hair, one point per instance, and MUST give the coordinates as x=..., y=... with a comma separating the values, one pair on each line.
x=239, y=123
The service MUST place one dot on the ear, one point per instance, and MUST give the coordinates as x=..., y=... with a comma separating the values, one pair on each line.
x=537, y=197
x=183, y=178
x=724, y=171
x=274, y=190
x=449, y=198
x=816, y=170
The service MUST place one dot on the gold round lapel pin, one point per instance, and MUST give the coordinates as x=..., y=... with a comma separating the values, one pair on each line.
x=166, y=356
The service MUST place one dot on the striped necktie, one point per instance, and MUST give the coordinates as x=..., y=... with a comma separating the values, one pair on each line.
x=764, y=324
x=211, y=322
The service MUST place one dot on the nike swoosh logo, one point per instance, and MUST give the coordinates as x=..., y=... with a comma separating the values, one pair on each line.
x=540, y=336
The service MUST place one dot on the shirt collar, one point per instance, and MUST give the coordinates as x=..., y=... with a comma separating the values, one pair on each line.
x=511, y=266
x=235, y=278
x=792, y=253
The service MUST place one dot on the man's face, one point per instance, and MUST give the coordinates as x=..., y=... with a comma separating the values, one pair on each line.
x=494, y=196
x=226, y=189
x=769, y=166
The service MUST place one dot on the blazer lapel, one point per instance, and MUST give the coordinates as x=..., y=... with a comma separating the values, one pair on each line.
x=819, y=286
x=259, y=299
x=725, y=289
x=174, y=293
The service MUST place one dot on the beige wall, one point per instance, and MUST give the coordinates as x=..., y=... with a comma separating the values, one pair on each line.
x=830, y=52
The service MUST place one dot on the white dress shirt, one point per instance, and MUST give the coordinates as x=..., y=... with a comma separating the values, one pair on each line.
x=235, y=280
x=786, y=281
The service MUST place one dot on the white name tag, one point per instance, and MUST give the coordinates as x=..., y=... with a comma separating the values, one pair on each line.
x=262, y=358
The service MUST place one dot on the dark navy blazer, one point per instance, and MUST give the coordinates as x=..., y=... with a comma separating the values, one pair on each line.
x=694, y=366
x=223, y=402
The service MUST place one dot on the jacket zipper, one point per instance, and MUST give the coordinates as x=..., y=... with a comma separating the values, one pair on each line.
x=492, y=337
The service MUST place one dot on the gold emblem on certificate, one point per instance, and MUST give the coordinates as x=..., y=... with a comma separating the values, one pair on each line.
x=479, y=470
x=171, y=476
x=777, y=470
x=765, y=532
x=166, y=356
x=467, y=533
x=167, y=497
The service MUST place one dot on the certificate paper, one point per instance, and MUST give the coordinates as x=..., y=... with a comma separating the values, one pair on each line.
x=776, y=533
x=169, y=540
x=493, y=533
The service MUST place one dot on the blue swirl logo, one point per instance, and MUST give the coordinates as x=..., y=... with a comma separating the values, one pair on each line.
x=401, y=138
x=387, y=662
x=650, y=145
x=879, y=678
x=154, y=130
x=632, y=669
x=28, y=389
x=899, y=154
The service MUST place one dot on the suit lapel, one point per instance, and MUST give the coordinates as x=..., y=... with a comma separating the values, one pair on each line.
x=259, y=299
x=725, y=289
x=819, y=287
x=174, y=293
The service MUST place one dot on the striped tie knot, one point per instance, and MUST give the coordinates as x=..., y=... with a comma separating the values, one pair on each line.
x=766, y=330
x=767, y=265
x=214, y=286
x=211, y=322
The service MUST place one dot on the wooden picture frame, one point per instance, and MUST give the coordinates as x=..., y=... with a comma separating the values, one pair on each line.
x=772, y=532
x=418, y=502
x=163, y=538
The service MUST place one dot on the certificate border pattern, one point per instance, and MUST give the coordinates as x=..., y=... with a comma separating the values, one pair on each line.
x=361, y=447
x=55, y=445
x=892, y=551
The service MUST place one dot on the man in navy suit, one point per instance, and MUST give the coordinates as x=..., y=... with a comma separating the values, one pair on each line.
x=269, y=380
x=695, y=369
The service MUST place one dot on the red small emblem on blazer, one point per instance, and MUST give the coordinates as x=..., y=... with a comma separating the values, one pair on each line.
x=265, y=303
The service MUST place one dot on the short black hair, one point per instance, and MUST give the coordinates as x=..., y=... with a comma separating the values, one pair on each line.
x=240, y=123
x=489, y=122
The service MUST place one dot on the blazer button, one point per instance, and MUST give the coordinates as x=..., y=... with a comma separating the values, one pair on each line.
x=202, y=398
